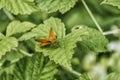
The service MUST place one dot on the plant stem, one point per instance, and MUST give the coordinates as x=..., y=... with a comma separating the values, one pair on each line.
x=111, y=32
x=10, y=16
x=73, y=72
x=91, y=15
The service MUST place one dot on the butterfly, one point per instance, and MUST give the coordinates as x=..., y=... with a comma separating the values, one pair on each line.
x=51, y=40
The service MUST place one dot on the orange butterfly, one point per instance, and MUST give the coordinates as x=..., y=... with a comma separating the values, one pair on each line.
x=52, y=39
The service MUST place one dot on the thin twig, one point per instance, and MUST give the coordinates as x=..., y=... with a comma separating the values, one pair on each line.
x=9, y=15
x=111, y=32
x=91, y=15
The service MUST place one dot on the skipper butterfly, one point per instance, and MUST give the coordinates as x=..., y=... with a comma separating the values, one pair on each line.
x=51, y=40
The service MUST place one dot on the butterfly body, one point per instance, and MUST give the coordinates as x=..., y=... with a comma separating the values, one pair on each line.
x=51, y=40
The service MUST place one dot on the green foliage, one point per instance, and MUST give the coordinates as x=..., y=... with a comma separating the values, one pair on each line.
x=7, y=44
x=27, y=36
x=115, y=62
x=5, y=76
x=32, y=68
x=114, y=76
x=80, y=52
x=35, y=68
x=28, y=6
x=93, y=41
x=1, y=36
x=84, y=77
x=55, y=5
x=42, y=31
x=19, y=6
x=115, y=67
x=9, y=56
x=65, y=45
x=18, y=27
x=112, y=2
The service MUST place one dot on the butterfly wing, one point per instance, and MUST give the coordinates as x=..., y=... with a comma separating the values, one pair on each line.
x=52, y=35
x=43, y=42
x=47, y=41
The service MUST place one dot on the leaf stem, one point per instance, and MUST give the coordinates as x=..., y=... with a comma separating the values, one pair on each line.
x=10, y=16
x=111, y=32
x=91, y=15
x=72, y=71
x=25, y=53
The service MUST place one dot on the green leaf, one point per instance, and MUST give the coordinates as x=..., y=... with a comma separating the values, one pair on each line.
x=19, y=6
x=27, y=36
x=1, y=36
x=18, y=27
x=56, y=5
x=13, y=56
x=84, y=76
x=94, y=41
x=114, y=76
x=63, y=53
x=93, y=76
x=112, y=2
x=5, y=76
x=6, y=69
x=115, y=62
x=35, y=68
x=42, y=31
x=7, y=44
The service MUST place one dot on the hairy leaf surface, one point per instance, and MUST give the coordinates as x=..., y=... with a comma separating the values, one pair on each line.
x=94, y=41
x=19, y=6
x=112, y=2
x=18, y=27
x=7, y=44
x=42, y=31
x=56, y=5
x=35, y=68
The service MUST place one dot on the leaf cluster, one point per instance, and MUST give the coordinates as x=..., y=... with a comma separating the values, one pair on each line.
x=22, y=58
